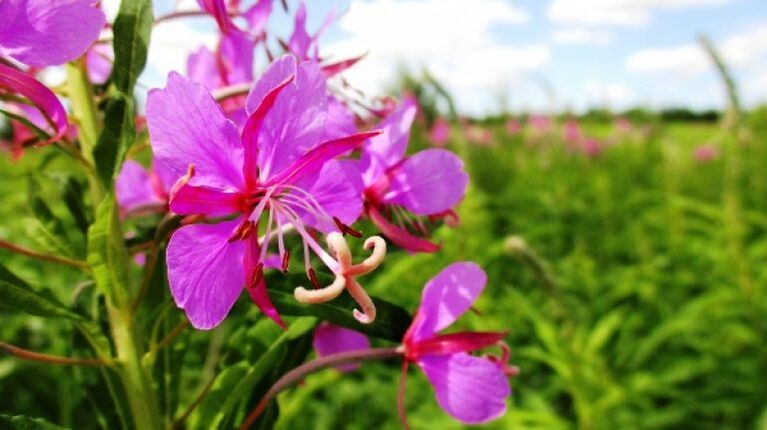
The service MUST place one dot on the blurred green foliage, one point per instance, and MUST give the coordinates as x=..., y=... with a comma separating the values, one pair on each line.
x=634, y=292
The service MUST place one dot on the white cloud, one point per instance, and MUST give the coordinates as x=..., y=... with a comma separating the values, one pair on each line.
x=615, y=95
x=453, y=39
x=738, y=50
x=581, y=36
x=617, y=12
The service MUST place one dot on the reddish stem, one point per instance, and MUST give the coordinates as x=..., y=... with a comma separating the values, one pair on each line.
x=4, y=244
x=316, y=365
x=52, y=359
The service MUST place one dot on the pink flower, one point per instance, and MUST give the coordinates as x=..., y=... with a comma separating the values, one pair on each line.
x=41, y=33
x=513, y=127
x=306, y=46
x=426, y=184
x=471, y=389
x=623, y=124
x=138, y=190
x=706, y=152
x=44, y=32
x=592, y=147
x=332, y=339
x=99, y=61
x=277, y=165
x=539, y=123
x=572, y=131
x=440, y=132
x=478, y=135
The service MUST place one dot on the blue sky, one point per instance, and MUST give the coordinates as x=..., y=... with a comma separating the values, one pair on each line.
x=613, y=53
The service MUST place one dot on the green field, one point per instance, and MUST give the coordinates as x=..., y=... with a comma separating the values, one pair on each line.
x=633, y=285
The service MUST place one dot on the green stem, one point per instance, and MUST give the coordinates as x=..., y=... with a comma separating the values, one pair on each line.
x=135, y=377
x=87, y=119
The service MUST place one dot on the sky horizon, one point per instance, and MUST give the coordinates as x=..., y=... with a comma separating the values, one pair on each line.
x=543, y=56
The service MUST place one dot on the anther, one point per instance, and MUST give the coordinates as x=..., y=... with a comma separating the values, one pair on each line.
x=286, y=260
x=313, y=278
x=345, y=229
x=257, y=274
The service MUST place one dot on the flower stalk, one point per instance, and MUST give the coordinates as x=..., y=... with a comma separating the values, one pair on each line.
x=316, y=365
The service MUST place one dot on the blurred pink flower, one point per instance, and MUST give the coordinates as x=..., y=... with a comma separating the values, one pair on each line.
x=572, y=131
x=539, y=123
x=478, y=135
x=623, y=124
x=706, y=152
x=440, y=132
x=592, y=147
x=513, y=127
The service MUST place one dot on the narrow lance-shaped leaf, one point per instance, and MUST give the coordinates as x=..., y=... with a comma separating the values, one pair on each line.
x=45, y=227
x=390, y=324
x=20, y=296
x=118, y=135
x=236, y=383
x=132, y=30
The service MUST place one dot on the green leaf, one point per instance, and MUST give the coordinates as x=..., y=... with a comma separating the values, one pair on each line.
x=107, y=254
x=118, y=135
x=391, y=321
x=132, y=29
x=237, y=382
x=73, y=191
x=21, y=422
x=45, y=227
x=19, y=295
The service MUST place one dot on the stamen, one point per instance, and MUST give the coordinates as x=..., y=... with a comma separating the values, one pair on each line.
x=320, y=295
x=346, y=276
x=368, y=314
x=182, y=181
x=347, y=229
x=257, y=274
x=285, y=260
x=376, y=258
x=313, y=279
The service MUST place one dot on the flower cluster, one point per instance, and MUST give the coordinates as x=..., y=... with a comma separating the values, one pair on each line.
x=255, y=163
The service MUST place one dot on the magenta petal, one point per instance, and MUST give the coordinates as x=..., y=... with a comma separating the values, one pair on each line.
x=133, y=187
x=16, y=81
x=190, y=200
x=446, y=297
x=260, y=297
x=313, y=160
x=201, y=67
x=296, y=123
x=236, y=54
x=252, y=129
x=205, y=271
x=429, y=182
x=331, y=339
x=399, y=235
x=389, y=148
x=99, y=61
x=472, y=390
x=300, y=41
x=217, y=9
x=340, y=121
x=45, y=32
x=187, y=127
x=337, y=188
x=257, y=16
